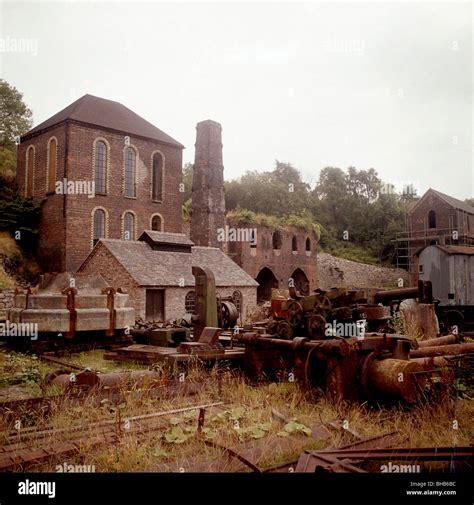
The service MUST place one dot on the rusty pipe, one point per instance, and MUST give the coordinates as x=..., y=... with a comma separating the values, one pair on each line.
x=442, y=350
x=396, y=294
x=447, y=339
x=327, y=347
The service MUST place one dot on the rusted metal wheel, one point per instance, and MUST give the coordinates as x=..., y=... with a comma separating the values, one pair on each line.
x=324, y=306
x=285, y=331
x=316, y=326
x=294, y=313
x=229, y=315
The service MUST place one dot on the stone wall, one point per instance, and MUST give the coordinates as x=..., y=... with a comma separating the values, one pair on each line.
x=339, y=272
x=6, y=302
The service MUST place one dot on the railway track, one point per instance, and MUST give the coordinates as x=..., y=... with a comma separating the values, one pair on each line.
x=33, y=446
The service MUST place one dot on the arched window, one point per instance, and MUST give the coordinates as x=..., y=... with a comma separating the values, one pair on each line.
x=431, y=219
x=277, y=239
x=52, y=161
x=237, y=299
x=130, y=172
x=294, y=244
x=100, y=167
x=190, y=302
x=30, y=164
x=98, y=225
x=156, y=222
x=157, y=177
x=308, y=244
x=128, y=226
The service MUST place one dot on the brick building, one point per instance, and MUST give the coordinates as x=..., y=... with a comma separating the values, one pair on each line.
x=135, y=168
x=156, y=271
x=436, y=218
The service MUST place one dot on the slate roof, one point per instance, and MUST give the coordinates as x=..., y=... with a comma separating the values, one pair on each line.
x=450, y=200
x=165, y=268
x=457, y=204
x=97, y=111
x=165, y=237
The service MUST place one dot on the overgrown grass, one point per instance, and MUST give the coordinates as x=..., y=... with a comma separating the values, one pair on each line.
x=245, y=422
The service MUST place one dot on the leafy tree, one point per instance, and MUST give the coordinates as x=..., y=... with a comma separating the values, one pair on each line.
x=15, y=120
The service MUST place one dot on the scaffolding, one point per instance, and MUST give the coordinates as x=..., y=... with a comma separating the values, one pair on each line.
x=409, y=242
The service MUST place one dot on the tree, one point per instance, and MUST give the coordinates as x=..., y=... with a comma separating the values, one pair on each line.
x=15, y=120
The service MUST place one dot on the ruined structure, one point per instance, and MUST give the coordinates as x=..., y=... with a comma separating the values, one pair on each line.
x=275, y=257
x=208, y=208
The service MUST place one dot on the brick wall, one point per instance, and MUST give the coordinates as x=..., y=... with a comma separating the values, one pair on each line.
x=52, y=234
x=282, y=262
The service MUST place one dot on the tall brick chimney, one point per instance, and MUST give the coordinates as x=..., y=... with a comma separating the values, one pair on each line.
x=208, y=204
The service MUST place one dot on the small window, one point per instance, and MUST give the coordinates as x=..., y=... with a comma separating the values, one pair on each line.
x=190, y=302
x=128, y=226
x=420, y=269
x=277, y=239
x=98, y=225
x=294, y=244
x=157, y=177
x=308, y=244
x=52, y=160
x=431, y=219
x=156, y=223
x=130, y=173
x=100, y=176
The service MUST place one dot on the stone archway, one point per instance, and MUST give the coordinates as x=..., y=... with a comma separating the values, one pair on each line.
x=301, y=282
x=266, y=280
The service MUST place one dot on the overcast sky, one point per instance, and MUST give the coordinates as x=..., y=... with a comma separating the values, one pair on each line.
x=382, y=85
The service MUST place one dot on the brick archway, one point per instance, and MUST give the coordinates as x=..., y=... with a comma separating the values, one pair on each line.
x=266, y=280
x=301, y=282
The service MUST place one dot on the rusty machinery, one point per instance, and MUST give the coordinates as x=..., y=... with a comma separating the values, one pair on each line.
x=374, y=368
x=309, y=316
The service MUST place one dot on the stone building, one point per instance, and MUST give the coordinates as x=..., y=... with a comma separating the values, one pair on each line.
x=99, y=171
x=156, y=271
x=435, y=218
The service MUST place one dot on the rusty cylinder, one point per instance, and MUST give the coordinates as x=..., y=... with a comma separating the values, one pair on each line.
x=447, y=339
x=442, y=350
x=394, y=377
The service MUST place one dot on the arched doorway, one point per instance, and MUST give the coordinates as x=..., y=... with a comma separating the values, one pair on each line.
x=301, y=282
x=266, y=280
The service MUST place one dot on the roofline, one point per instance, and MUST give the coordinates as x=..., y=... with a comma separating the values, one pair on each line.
x=440, y=196
x=28, y=136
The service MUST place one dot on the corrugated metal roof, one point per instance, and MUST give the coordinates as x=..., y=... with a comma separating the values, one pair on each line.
x=101, y=112
x=167, y=268
x=450, y=249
